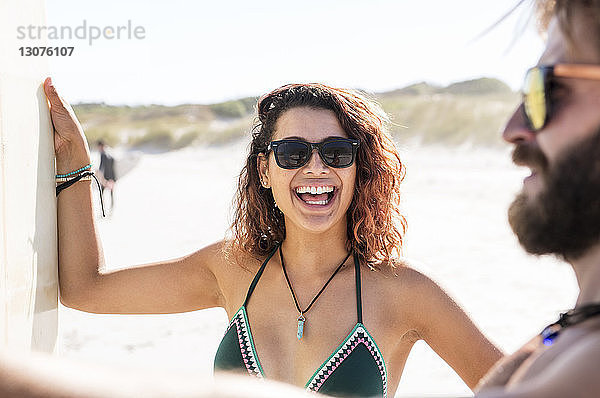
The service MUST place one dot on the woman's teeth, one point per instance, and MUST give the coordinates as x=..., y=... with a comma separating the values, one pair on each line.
x=315, y=195
x=317, y=202
x=314, y=190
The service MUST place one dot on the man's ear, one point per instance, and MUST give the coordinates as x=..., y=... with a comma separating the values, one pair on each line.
x=262, y=164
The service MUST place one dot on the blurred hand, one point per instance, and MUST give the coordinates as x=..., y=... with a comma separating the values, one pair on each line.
x=70, y=144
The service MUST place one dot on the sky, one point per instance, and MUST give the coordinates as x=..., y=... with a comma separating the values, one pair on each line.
x=211, y=51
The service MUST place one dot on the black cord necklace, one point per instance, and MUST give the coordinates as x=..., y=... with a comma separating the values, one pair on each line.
x=301, y=318
x=569, y=318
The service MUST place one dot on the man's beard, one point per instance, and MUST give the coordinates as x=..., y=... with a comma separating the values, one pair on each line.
x=564, y=218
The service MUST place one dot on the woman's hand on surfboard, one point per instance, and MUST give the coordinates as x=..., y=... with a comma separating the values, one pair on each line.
x=70, y=144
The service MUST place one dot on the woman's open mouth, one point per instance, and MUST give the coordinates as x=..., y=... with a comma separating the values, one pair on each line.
x=316, y=197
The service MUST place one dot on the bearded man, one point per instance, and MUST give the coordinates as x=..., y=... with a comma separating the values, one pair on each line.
x=556, y=133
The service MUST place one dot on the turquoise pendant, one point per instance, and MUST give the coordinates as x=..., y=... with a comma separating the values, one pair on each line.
x=301, y=320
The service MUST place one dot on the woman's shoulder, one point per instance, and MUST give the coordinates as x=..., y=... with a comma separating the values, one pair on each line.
x=400, y=270
x=233, y=269
x=400, y=275
x=227, y=257
x=409, y=294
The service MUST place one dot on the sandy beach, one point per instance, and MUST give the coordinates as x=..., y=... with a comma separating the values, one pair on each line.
x=455, y=201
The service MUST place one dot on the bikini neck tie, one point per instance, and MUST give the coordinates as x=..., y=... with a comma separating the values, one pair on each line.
x=301, y=318
x=569, y=318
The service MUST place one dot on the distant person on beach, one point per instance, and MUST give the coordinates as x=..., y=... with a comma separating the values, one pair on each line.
x=313, y=262
x=556, y=133
x=107, y=171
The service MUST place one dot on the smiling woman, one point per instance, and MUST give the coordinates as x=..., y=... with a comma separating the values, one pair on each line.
x=327, y=116
x=340, y=312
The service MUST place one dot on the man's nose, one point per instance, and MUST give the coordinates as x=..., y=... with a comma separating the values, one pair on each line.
x=315, y=164
x=516, y=129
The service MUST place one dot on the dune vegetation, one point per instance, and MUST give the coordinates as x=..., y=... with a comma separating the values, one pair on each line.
x=470, y=112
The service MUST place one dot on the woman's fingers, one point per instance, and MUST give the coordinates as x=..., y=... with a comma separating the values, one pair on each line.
x=63, y=117
x=57, y=103
x=67, y=129
x=50, y=90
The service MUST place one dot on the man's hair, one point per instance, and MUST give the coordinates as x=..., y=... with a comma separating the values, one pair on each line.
x=375, y=227
x=564, y=10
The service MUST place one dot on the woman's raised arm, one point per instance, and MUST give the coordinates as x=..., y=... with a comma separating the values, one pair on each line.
x=183, y=284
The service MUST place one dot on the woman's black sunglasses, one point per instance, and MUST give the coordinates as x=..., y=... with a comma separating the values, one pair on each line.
x=295, y=153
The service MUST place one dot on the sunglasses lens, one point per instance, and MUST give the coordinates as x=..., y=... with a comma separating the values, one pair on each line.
x=338, y=153
x=534, y=98
x=291, y=155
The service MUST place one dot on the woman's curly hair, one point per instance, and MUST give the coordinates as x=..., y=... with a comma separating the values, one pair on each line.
x=375, y=225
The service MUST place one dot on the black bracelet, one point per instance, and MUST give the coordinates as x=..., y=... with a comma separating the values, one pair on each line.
x=65, y=185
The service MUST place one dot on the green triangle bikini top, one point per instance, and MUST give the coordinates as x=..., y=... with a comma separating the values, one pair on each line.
x=355, y=368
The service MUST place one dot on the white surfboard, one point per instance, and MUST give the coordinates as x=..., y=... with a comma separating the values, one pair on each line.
x=28, y=236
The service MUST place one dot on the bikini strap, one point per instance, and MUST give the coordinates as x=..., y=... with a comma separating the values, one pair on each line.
x=358, y=289
x=258, y=275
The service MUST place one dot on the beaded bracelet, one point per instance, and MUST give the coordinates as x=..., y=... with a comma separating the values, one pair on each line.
x=75, y=171
x=88, y=174
x=65, y=179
